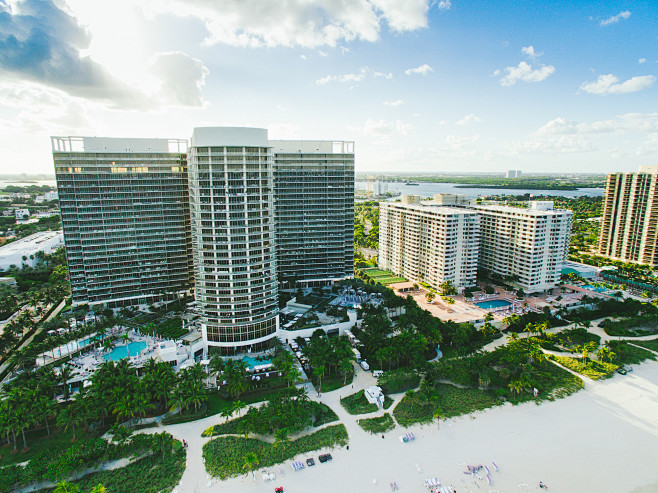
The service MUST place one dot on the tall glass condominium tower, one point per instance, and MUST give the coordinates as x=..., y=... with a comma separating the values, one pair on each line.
x=314, y=211
x=231, y=207
x=125, y=214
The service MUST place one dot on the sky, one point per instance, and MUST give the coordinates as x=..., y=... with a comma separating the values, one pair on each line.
x=425, y=86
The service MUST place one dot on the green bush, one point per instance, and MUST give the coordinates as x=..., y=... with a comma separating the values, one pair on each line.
x=396, y=381
x=377, y=425
x=357, y=404
x=225, y=455
x=592, y=369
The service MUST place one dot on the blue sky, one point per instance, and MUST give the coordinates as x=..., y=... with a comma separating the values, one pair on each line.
x=423, y=86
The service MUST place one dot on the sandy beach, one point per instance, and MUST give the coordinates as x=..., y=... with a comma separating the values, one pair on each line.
x=602, y=439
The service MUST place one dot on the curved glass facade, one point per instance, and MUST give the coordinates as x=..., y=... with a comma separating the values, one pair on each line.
x=231, y=209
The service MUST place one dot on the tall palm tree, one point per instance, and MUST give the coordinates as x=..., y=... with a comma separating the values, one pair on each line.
x=250, y=462
x=65, y=374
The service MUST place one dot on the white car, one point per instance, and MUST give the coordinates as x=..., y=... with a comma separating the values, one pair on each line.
x=364, y=364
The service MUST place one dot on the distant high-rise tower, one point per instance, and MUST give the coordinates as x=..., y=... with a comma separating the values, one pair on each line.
x=629, y=228
x=513, y=173
x=314, y=211
x=125, y=214
x=231, y=206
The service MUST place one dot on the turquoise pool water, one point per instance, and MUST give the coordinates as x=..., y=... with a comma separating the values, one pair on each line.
x=121, y=352
x=598, y=289
x=493, y=304
x=251, y=362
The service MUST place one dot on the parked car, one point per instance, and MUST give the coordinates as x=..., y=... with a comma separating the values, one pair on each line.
x=622, y=371
x=325, y=457
x=364, y=364
x=310, y=462
x=377, y=373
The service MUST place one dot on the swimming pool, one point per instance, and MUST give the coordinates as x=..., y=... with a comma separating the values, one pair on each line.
x=121, y=352
x=486, y=305
x=598, y=289
x=252, y=362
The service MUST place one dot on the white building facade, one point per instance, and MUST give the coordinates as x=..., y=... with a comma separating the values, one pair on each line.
x=525, y=245
x=231, y=207
x=430, y=243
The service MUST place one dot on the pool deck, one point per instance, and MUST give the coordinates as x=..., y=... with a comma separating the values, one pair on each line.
x=465, y=310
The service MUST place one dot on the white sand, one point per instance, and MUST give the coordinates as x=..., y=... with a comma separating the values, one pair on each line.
x=602, y=439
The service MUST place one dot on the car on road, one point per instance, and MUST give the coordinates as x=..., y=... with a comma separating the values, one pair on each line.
x=325, y=457
x=622, y=371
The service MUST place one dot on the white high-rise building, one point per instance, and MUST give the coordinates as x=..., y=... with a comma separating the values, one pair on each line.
x=231, y=208
x=430, y=243
x=525, y=245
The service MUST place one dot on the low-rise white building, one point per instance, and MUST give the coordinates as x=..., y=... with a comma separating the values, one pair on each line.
x=21, y=214
x=13, y=253
x=374, y=395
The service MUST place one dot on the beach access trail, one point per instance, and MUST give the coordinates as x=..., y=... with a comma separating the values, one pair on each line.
x=601, y=439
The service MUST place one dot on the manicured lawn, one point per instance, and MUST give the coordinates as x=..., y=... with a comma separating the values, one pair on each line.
x=225, y=456
x=357, y=404
x=377, y=425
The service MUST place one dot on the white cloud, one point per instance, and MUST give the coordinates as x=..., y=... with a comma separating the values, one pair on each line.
x=524, y=72
x=529, y=51
x=181, y=78
x=609, y=84
x=422, y=70
x=306, y=23
x=444, y=5
x=642, y=60
x=397, y=102
x=43, y=110
x=353, y=77
x=628, y=123
x=616, y=18
x=553, y=145
x=303, y=57
x=381, y=128
x=468, y=119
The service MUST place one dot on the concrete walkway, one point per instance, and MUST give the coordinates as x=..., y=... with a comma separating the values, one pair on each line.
x=195, y=478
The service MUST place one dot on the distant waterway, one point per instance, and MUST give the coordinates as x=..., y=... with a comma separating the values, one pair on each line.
x=428, y=189
x=6, y=183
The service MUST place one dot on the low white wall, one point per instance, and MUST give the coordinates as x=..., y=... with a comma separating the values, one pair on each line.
x=290, y=335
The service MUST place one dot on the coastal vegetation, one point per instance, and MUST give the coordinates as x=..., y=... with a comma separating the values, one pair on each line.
x=523, y=183
x=377, y=425
x=159, y=461
x=226, y=456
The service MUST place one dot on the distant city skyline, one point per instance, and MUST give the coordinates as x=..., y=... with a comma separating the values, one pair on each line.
x=429, y=86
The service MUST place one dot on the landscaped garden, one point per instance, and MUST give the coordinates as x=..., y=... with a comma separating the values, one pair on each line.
x=230, y=456
x=377, y=425
x=159, y=462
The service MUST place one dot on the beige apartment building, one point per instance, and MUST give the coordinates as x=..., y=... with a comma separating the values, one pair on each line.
x=429, y=242
x=526, y=245
x=629, y=227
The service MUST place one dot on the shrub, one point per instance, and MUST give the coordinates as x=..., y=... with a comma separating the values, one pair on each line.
x=225, y=455
x=377, y=425
x=396, y=381
x=358, y=404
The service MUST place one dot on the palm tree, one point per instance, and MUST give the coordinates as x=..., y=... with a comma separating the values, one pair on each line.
x=67, y=418
x=226, y=413
x=126, y=408
x=65, y=374
x=99, y=488
x=238, y=406
x=438, y=415
x=250, y=462
x=281, y=438
x=64, y=487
